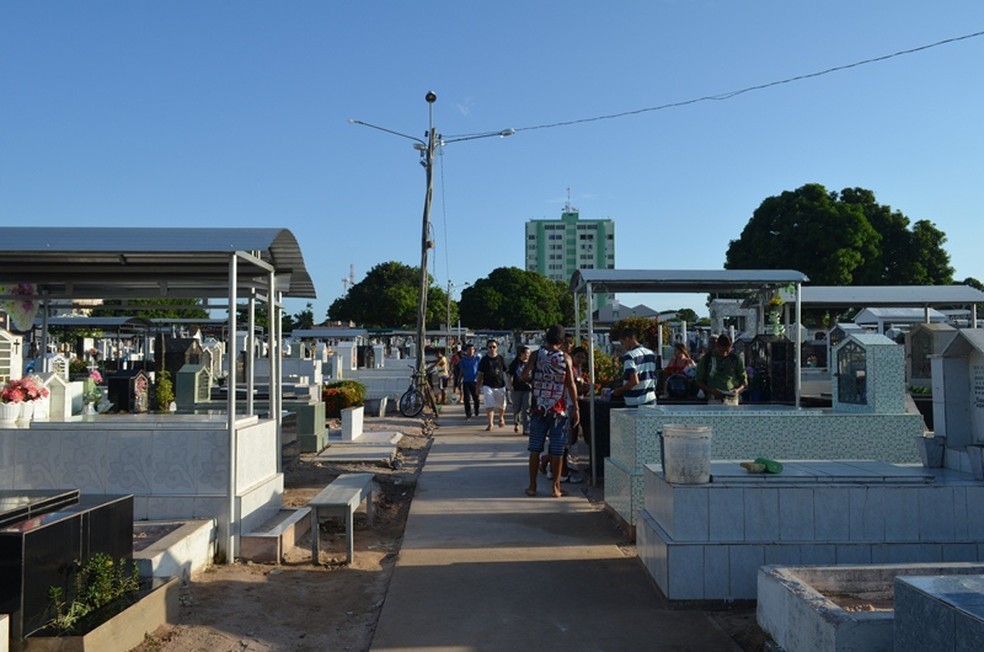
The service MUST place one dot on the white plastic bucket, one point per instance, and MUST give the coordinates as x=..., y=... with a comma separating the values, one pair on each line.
x=687, y=453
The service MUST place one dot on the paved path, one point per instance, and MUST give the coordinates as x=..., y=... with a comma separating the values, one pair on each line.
x=484, y=567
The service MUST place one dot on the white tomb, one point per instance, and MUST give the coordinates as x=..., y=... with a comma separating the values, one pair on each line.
x=11, y=356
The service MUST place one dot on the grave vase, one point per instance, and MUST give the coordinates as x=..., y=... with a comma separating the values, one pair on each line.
x=42, y=409
x=26, y=411
x=9, y=412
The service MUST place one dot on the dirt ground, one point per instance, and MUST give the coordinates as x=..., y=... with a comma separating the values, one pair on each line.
x=298, y=606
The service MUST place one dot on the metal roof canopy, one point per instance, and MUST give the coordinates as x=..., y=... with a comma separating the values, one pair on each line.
x=590, y=281
x=148, y=263
x=682, y=281
x=870, y=296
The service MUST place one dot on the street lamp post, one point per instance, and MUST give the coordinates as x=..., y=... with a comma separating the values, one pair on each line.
x=425, y=242
x=426, y=149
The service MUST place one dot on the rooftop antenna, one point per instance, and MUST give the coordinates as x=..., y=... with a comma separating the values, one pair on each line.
x=567, y=207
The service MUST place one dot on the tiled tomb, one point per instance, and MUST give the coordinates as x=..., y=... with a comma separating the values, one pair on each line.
x=707, y=541
x=871, y=422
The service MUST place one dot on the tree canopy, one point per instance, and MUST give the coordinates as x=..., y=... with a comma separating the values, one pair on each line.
x=152, y=308
x=841, y=239
x=388, y=297
x=514, y=299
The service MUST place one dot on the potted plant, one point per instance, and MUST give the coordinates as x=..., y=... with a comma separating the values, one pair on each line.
x=341, y=395
x=18, y=398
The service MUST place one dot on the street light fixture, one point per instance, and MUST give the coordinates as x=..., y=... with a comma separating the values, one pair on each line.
x=426, y=149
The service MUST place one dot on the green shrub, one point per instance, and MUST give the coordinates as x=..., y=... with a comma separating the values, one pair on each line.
x=97, y=582
x=165, y=391
x=341, y=395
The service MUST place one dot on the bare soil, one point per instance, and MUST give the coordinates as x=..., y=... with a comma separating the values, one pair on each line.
x=299, y=606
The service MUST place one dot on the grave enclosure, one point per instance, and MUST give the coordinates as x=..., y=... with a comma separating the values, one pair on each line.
x=707, y=541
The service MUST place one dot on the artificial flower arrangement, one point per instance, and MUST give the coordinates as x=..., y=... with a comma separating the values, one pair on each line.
x=90, y=393
x=28, y=388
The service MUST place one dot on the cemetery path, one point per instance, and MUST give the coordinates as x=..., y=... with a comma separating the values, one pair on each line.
x=301, y=607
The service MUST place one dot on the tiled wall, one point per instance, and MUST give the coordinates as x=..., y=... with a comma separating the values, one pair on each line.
x=174, y=469
x=885, y=373
x=707, y=541
x=744, y=434
x=939, y=613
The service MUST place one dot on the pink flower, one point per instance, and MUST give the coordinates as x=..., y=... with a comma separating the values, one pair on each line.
x=95, y=376
x=23, y=389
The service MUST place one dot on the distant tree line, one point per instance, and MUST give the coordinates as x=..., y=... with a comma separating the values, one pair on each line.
x=844, y=238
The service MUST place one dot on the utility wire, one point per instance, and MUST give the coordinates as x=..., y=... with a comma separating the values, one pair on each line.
x=731, y=94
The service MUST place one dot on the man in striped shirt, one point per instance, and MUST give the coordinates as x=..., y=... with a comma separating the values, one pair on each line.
x=638, y=371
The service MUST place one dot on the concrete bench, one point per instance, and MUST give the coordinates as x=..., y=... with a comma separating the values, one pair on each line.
x=341, y=498
x=272, y=539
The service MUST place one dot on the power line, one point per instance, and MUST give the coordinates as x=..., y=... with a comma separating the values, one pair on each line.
x=731, y=94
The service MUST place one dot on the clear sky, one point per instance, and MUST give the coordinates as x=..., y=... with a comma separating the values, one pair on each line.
x=198, y=113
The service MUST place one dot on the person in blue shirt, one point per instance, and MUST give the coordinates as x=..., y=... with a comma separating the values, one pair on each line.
x=468, y=364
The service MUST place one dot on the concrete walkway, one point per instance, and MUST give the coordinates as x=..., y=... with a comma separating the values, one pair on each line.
x=484, y=567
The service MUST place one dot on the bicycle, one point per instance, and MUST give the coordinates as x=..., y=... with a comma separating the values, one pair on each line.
x=418, y=395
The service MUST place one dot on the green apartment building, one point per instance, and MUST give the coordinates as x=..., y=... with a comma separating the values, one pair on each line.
x=558, y=248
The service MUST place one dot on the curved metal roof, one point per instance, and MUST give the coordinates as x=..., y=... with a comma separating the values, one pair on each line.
x=682, y=280
x=109, y=262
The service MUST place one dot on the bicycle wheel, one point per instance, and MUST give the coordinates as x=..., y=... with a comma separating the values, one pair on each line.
x=411, y=403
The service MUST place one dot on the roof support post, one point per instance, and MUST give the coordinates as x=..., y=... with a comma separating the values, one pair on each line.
x=798, y=346
x=591, y=390
x=276, y=363
x=44, y=331
x=231, y=408
x=250, y=351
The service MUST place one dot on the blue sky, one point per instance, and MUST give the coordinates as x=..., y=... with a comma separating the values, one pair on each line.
x=230, y=114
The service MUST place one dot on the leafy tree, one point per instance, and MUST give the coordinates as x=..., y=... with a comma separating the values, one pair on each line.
x=288, y=323
x=152, y=309
x=566, y=299
x=687, y=315
x=974, y=283
x=841, y=239
x=302, y=319
x=514, y=299
x=388, y=297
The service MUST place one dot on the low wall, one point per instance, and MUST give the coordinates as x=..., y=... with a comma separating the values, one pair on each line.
x=176, y=466
x=750, y=431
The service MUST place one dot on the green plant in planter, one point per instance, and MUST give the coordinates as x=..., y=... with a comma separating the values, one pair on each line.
x=77, y=366
x=98, y=582
x=648, y=329
x=341, y=395
x=164, y=391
